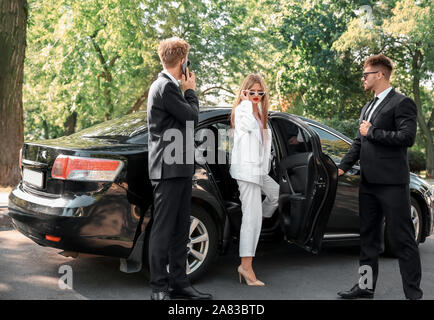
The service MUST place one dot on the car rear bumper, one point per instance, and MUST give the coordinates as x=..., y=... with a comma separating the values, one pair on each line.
x=81, y=222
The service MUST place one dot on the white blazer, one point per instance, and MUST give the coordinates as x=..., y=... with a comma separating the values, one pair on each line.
x=250, y=160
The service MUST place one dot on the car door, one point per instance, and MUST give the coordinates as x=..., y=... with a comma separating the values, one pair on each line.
x=344, y=219
x=307, y=179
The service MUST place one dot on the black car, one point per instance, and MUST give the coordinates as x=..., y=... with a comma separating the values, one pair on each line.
x=90, y=192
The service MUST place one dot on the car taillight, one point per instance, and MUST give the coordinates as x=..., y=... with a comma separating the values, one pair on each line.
x=85, y=169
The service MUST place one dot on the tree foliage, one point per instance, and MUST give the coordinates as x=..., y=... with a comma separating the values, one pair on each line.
x=90, y=61
x=404, y=31
x=317, y=79
x=93, y=60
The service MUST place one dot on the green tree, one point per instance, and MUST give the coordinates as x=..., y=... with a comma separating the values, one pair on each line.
x=402, y=30
x=85, y=61
x=317, y=80
x=90, y=61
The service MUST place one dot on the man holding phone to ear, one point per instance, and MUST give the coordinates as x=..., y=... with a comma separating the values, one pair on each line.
x=170, y=109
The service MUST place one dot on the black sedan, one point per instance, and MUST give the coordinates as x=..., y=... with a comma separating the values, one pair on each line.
x=90, y=192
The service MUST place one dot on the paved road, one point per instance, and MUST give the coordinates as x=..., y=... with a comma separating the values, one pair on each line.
x=29, y=271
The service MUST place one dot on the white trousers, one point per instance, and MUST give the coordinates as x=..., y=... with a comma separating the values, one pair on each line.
x=253, y=211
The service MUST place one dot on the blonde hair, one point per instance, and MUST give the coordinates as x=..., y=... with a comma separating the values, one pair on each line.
x=172, y=50
x=248, y=82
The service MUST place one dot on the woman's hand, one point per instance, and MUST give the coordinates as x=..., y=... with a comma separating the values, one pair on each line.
x=243, y=95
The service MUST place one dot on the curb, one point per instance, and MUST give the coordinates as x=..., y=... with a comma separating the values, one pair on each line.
x=5, y=220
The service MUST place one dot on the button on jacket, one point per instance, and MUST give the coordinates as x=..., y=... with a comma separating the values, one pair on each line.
x=250, y=157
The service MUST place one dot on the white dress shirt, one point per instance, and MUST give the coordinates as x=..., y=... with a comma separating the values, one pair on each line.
x=170, y=76
x=381, y=97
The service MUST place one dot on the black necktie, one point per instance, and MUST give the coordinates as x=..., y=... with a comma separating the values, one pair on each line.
x=368, y=110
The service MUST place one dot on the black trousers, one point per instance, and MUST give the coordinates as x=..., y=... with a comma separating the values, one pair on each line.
x=170, y=233
x=392, y=202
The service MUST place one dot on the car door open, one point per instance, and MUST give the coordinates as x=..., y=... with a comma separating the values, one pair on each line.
x=308, y=181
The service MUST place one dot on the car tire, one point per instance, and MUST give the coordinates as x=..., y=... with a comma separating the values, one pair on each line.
x=416, y=217
x=201, y=225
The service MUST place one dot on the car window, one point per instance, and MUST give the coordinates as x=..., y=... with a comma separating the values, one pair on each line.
x=141, y=138
x=332, y=145
x=223, y=141
x=126, y=126
x=294, y=138
x=220, y=131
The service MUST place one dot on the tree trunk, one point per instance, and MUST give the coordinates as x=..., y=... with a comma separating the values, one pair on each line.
x=13, y=20
x=139, y=102
x=70, y=123
x=46, y=129
x=429, y=147
x=106, y=74
x=142, y=99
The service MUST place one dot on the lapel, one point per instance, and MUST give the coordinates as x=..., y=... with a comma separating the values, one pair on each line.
x=382, y=104
x=161, y=74
x=257, y=131
x=363, y=112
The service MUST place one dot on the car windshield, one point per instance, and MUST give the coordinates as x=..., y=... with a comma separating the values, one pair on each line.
x=126, y=126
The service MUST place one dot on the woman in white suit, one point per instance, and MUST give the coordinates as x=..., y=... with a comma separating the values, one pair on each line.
x=250, y=164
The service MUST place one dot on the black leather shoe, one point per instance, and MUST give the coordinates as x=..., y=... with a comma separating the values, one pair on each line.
x=188, y=293
x=356, y=293
x=162, y=295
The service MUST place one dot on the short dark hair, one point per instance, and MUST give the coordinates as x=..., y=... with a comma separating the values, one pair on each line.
x=381, y=61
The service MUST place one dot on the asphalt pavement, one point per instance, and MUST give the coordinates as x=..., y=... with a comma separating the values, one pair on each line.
x=30, y=271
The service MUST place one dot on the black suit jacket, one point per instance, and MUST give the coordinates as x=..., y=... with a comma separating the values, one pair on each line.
x=168, y=109
x=383, y=152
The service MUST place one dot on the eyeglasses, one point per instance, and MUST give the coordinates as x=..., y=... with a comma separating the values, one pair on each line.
x=365, y=74
x=259, y=93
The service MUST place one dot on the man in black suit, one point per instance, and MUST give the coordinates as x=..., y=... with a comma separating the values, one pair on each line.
x=387, y=128
x=170, y=111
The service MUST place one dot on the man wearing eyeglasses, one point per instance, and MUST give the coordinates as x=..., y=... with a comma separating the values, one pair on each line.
x=387, y=128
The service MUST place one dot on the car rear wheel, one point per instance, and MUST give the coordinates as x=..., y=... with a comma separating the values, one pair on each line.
x=416, y=218
x=202, y=245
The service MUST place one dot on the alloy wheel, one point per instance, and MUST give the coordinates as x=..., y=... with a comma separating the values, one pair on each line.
x=198, y=245
x=416, y=221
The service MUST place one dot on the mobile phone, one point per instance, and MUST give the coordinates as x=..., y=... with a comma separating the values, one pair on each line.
x=184, y=67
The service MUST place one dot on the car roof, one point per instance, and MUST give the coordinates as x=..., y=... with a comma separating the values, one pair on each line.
x=132, y=124
x=207, y=113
